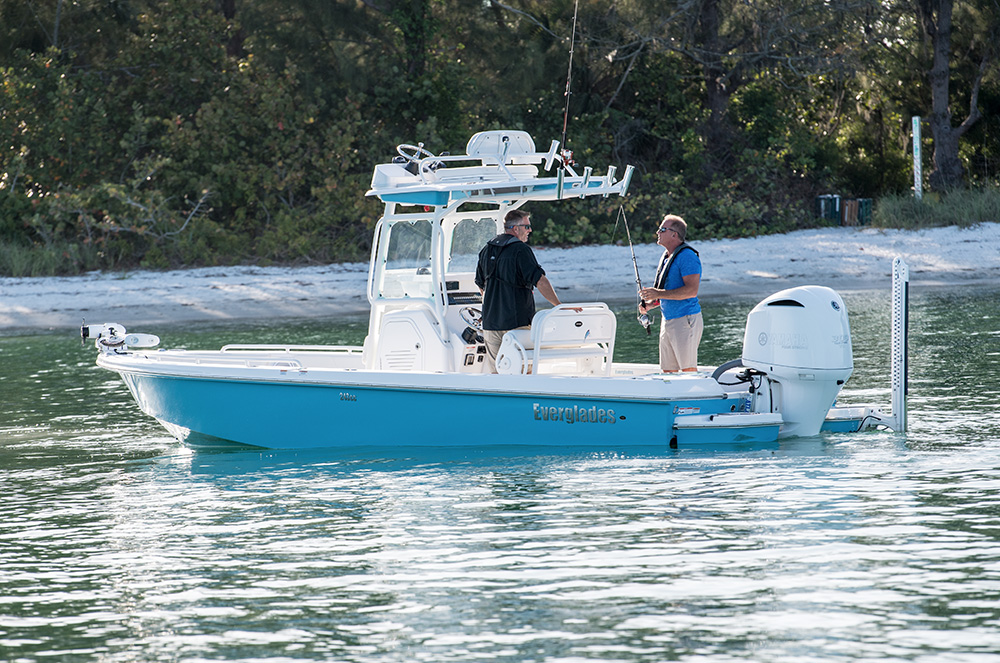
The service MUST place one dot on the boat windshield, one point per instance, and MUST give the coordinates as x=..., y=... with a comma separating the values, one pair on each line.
x=406, y=271
x=467, y=239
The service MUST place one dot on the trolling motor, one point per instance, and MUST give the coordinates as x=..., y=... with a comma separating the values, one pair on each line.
x=112, y=337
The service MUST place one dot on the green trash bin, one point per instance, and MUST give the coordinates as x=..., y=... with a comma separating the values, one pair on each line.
x=864, y=211
x=828, y=207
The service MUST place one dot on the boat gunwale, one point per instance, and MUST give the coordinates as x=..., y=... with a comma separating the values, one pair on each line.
x=667, y=388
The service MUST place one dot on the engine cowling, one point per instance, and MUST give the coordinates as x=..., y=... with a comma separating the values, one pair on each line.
x=801, y=339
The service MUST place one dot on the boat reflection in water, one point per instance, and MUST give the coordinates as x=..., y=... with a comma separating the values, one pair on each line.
x=420, y=380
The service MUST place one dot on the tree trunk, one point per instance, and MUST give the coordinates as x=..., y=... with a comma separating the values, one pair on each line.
x=948, y=171
x=413, y=21
x=234, y=48
x=717, y=135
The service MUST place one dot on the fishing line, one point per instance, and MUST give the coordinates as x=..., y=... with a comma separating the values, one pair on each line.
x=566, y=154
x=604, y=272
x=567, y=158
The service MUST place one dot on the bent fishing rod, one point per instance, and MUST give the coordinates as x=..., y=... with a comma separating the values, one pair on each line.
x=642, y=317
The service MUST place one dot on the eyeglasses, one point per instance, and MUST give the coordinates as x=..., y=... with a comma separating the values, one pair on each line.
x=523, y=225
x=663, y=230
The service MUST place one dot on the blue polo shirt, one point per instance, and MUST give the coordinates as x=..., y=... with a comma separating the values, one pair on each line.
x=686, y=263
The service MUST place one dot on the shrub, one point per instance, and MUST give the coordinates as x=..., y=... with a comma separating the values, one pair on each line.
x=962, y=208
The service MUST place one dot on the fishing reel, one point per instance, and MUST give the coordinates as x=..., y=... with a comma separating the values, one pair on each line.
x=643, y=316
x=644, y=321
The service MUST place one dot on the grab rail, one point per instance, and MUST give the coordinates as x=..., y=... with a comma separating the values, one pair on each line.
x=253, y=347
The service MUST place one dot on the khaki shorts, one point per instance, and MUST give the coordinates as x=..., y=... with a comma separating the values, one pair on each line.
x=493, y=338
x=679, y=340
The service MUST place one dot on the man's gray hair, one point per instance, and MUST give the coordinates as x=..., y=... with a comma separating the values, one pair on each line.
x=678, y=224
x=514, y=217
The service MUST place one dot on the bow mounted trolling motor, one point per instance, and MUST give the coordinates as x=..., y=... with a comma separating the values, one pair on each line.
x=112, y=337
x=800, y=340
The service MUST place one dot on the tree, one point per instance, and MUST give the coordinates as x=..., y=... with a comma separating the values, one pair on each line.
x=936, y=18
x=726, y=45
x=154, y=133
x=413, y=20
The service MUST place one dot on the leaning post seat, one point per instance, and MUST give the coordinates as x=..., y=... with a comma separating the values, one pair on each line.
x=562, y=341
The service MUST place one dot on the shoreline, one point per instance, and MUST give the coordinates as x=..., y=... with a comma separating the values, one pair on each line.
x=843, y=258
x=153, y=315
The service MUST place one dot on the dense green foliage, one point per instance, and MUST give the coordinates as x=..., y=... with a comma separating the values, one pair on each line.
x=140, y=133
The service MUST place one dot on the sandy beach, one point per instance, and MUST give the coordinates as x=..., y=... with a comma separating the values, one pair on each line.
x=843, y=258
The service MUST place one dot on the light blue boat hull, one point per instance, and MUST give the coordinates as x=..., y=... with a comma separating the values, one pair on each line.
x=281, y=415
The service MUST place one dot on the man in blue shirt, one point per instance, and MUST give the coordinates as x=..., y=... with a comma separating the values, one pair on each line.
x=676, y=290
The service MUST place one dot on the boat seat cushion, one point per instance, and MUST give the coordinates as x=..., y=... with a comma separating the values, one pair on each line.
x=562, y=341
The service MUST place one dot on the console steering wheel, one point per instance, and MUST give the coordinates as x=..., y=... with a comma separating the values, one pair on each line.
x=413, y=152
x=472, y=316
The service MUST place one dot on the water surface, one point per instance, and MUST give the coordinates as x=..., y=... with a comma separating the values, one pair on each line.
x=118, y=544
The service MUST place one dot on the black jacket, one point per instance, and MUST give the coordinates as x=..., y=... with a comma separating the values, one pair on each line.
x=507, y=272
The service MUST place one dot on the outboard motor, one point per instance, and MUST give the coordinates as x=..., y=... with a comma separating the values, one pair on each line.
x=801, y=339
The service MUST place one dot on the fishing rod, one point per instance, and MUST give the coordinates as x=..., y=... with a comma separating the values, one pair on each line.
x=642, y=317
x=567, y=156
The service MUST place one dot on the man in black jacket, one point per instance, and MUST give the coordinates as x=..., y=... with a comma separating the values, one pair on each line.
x=506, y=273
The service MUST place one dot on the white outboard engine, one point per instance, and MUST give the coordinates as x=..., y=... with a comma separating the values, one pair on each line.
x=801, y=339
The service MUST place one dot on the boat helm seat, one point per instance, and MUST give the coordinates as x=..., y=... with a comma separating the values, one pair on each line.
x=561, y=341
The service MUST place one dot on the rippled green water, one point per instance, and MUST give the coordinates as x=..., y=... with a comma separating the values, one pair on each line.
x=119, y=545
